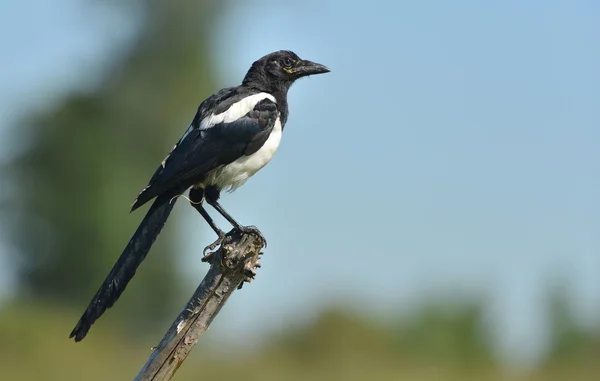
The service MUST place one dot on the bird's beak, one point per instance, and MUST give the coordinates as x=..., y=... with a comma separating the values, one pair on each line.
x=309, y=68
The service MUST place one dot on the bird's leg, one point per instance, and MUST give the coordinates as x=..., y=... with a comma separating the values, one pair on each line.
x=212, y=195
x=196, y=198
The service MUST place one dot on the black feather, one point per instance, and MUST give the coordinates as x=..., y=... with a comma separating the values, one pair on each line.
x=125, y=267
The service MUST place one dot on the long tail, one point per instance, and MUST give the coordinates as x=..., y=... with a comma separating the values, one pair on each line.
x=125, y=267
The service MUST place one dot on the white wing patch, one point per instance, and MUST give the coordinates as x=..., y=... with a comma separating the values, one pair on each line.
x=236, y=111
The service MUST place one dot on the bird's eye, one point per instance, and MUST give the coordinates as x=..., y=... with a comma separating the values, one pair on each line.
x=287, y=62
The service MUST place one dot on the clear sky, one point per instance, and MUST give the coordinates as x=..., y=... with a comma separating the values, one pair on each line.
x=451, y=152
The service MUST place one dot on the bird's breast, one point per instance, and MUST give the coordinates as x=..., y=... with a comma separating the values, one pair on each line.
x=235, y=174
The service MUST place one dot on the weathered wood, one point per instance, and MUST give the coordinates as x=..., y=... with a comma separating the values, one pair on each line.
x=230, y=266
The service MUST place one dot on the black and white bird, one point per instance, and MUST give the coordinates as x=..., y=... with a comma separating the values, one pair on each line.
x=234, y=134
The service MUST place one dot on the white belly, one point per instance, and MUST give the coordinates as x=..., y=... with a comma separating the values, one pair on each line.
x=235, y=174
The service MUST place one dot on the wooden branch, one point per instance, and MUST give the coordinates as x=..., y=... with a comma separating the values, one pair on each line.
x=230, y=266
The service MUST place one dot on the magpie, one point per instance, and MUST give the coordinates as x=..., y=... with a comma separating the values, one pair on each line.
x=233, y=135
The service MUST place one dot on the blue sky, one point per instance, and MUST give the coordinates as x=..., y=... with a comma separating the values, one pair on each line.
x=451, y=152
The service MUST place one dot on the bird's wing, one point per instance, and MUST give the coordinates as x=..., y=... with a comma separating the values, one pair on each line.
x=210, y=143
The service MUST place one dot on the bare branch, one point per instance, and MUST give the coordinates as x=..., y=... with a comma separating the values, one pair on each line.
x=230, y=266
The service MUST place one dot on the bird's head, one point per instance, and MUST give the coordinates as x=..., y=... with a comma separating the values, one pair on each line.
x=278, y=70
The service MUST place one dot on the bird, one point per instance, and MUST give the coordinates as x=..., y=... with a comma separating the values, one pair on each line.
x=234, y=133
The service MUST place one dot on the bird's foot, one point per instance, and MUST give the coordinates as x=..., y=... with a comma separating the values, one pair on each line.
x=213, y=245
x=254, y=231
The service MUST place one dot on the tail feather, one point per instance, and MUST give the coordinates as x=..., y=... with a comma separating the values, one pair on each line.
x=125, y=267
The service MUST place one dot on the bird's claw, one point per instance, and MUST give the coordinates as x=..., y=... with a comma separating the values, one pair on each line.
x=214, y=245
x=253, y=230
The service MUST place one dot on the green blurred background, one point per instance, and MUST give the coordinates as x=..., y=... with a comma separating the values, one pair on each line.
x=95, y=93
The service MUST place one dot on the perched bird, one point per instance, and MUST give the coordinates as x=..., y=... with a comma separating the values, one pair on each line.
x=234, y=134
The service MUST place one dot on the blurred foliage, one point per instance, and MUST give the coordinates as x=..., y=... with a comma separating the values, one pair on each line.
x=447, y=331
x=434, y=343
x=86, y=159
x=572, y=343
